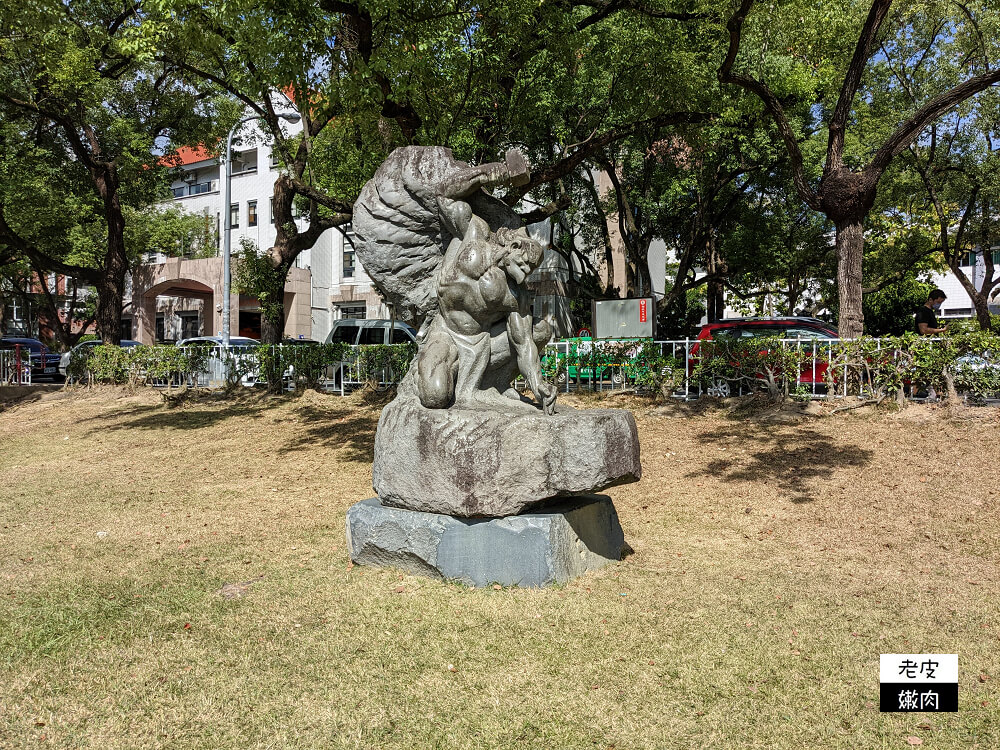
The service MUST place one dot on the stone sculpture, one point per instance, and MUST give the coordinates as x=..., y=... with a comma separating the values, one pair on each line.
x=453, y=260
x=459, y=440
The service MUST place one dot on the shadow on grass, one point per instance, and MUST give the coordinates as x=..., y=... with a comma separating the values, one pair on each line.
x=791, y=457
x=338, y=427
x=203, y=414
x=348, y=430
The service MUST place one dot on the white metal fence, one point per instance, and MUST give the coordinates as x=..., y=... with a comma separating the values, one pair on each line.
x=817, y=369
x=683, y=355
x=15, y=366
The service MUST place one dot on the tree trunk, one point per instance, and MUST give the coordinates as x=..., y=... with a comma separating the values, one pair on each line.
x=109, y=309
x=271, y=295
x=715, y=293
x=979, y=297
x=111, y=284
x=983, y=311
x=272, y=327
x=850, y=250
x=272, y=322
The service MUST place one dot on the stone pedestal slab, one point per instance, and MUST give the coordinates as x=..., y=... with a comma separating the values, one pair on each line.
x=485, y=462
x=554, y=545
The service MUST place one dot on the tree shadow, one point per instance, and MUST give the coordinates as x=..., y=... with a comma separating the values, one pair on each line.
x=351, y=431
x=338, y=427
x=159, y=417
x=790, y=457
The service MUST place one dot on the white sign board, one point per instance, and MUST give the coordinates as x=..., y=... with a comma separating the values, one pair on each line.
x=633, y=318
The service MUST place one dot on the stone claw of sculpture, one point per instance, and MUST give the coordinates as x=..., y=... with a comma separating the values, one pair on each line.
x=517, y=168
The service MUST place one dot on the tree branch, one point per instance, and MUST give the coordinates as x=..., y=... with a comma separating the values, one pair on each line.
x=852, y=79
x=10, y=237
x=567, y=164
x=610, y=7
x=771, y=103
x=905, y=134
x=322, y=199
x=543, y=212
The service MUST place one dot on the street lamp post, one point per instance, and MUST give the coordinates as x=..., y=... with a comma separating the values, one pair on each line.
x=227, y=213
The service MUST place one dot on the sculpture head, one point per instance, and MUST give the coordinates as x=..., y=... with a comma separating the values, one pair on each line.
x=517, y=253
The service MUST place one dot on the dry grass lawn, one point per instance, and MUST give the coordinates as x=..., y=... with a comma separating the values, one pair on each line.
x=176, y=577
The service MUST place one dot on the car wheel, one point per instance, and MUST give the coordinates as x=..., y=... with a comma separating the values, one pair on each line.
x=617, y=376
x=720, y=389
x=561, y=377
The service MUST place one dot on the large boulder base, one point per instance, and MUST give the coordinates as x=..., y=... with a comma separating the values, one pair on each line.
x=554, y=545
x=474, y=463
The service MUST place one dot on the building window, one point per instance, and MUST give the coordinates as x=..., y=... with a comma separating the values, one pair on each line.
x=275, y=159
x=348, y=252
x=252, y=214
x=352, y=312
x=348, y=262
x=161, y=328
x=126, y=328
x=272, y=209
x=234, y=215
x=190, y=327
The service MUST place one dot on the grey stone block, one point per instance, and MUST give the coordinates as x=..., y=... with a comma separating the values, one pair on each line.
x=554, y=545
x=485, y=462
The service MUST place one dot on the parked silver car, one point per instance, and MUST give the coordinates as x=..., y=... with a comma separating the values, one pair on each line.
x=242, y=350
x=87, y=346
x=370, y=331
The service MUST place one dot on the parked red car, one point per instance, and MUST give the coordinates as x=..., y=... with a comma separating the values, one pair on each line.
x=801, y=329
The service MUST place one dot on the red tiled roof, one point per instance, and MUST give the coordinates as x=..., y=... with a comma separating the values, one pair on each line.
x=187, y=155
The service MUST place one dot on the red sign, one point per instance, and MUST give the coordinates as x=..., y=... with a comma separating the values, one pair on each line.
x=642, y=311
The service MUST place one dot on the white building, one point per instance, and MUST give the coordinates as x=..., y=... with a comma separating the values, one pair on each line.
x=959, y=304
x=183, y=294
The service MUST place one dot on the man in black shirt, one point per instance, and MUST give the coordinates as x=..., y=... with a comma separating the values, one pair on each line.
x=925, y=321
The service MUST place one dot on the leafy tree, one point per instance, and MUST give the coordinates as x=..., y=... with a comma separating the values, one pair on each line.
x=72, y=88
x=958, y=172
x=479, y=78
x=863, y=134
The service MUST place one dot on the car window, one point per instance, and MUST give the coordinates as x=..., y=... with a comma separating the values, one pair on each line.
x=724, y=333
x=802, y=332
x=372, y=335
x=758, y=331
x=345, y=334
x=401, y=336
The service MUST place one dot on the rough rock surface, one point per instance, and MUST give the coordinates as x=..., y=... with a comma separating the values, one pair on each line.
x=553, y=545
x=472, y=462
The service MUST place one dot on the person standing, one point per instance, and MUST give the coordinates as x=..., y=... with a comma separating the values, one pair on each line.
x=925, y=321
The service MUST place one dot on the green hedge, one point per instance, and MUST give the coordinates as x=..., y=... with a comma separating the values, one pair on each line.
x=967, y=362
x=304, y=365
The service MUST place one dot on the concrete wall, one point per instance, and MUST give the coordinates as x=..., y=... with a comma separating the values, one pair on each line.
x=185, y=285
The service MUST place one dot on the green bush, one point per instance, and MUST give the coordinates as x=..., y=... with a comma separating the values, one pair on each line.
x=383, y=363
x=137, y=365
